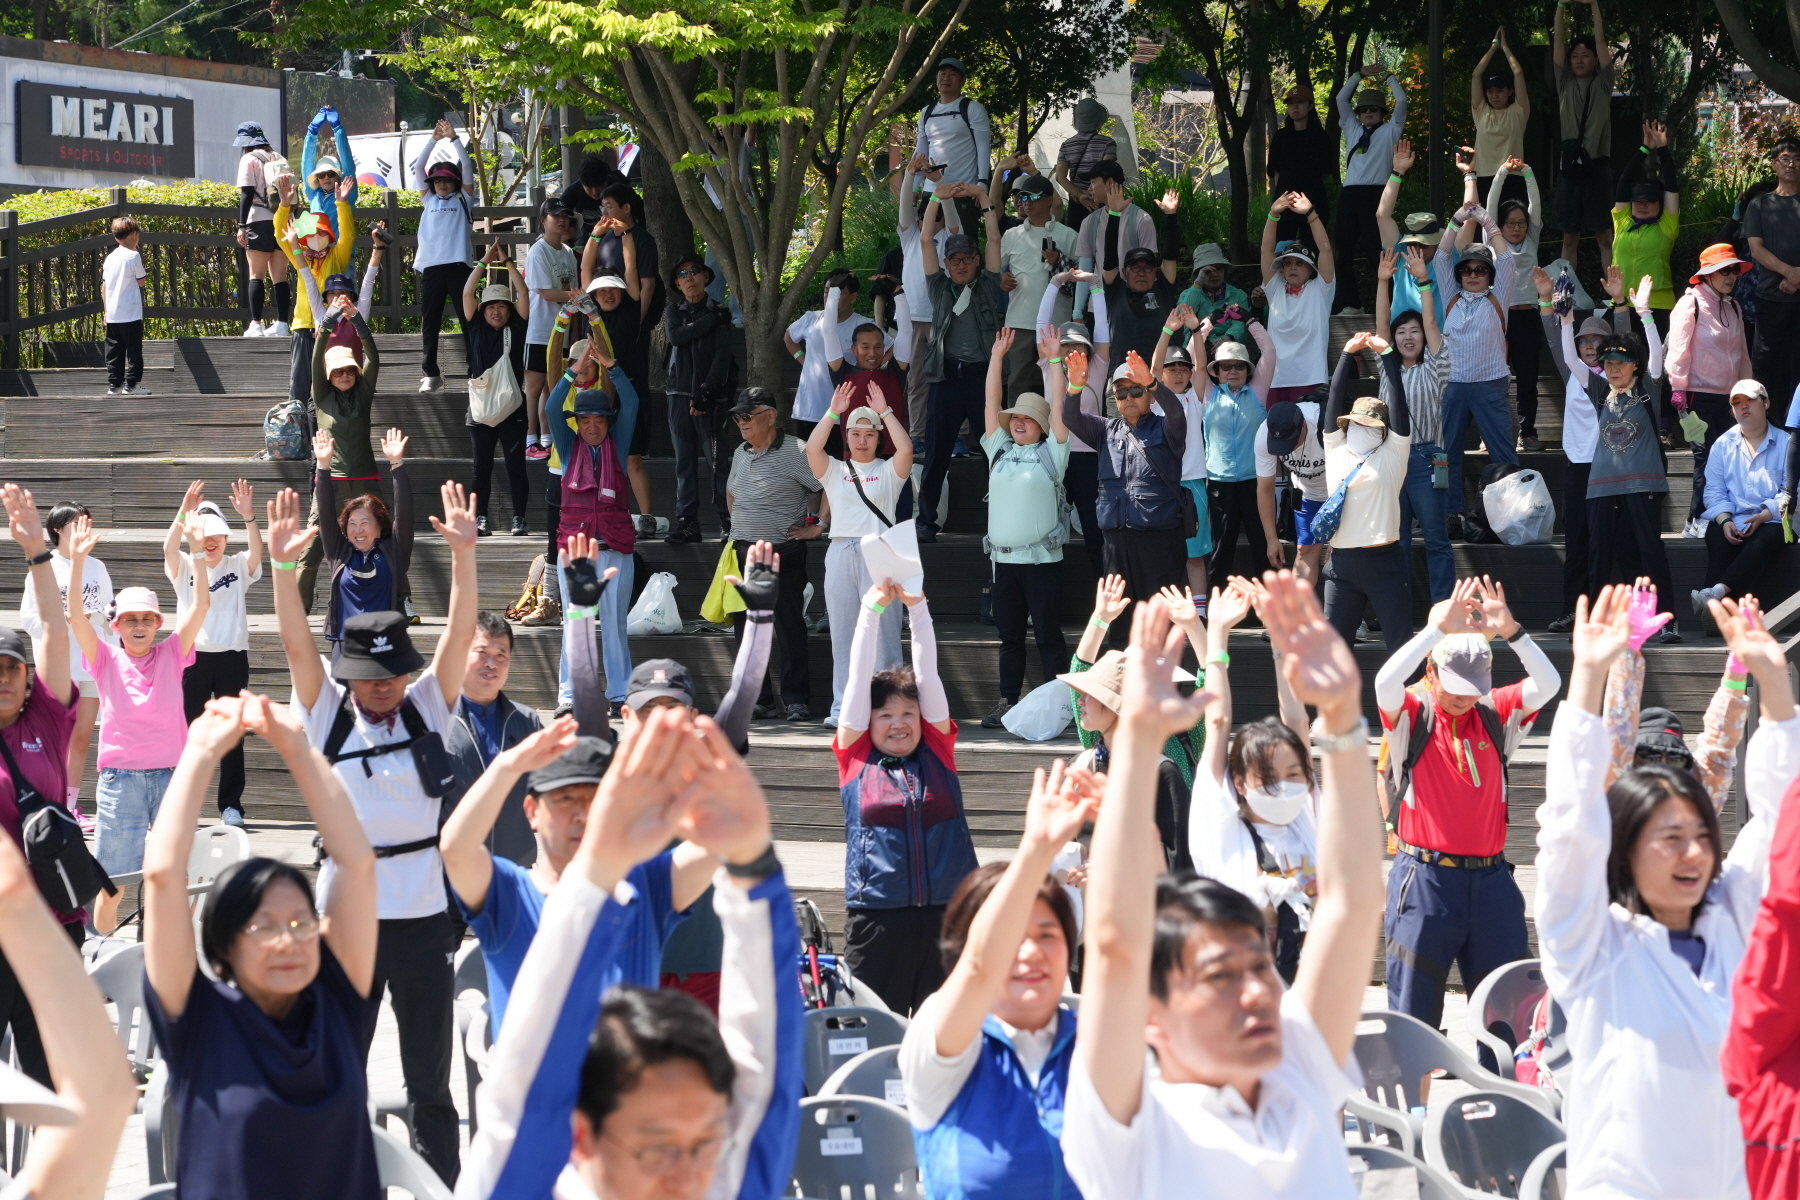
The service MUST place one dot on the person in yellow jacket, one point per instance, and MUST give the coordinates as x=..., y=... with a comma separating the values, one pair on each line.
x=315, y=243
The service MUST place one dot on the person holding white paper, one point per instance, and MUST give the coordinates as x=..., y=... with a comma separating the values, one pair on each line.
x=860, y=493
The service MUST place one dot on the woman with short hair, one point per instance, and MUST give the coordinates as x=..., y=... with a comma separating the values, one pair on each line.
x=368, y=547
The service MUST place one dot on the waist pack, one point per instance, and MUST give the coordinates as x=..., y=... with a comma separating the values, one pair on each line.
x=284, y=432
x=65, y=870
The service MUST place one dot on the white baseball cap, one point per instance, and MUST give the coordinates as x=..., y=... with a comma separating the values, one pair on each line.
x=212, y=520
x=605, y=281
x=134, y=600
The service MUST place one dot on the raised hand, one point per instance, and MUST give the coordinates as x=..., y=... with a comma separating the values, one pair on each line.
x=1075, y=366
x=1465, y=159
x=1540, y=279
x=323, y=448
x=1375, y=342
x=458, y=526
x=22, y=519
x=1490, y=614
x=1050, y=346
x=759, y=585
x=1640, y=295
x=1318, y=665
x=1170, y=201
x=194, y=496
x=345, y=186
x=726, y=810
x=243, y=499
x=840, y=399
x=274, y=723
x=1403, y=156
x=1514, y=165
x=1416, y=259
x=1452, y=614
x=1299, y=204
x=1136, y=369
x=1390, y=262
x=1357, y=341
x=580, y=558
x=83, y=537
x=1003, y=340
x=1151, y=701
x=638, y=809
x=1057, y=809
x=1656, y=135
x=544, y=747
x=1740, y=623
x=1181, y=608
x=1641, y=613
x=393, y=445
x=287, y=536
x=1614, y=282
x=1229, y=606
x=1282, y=202
x=1602, y=631
x=1109, y=597
x=218, y=728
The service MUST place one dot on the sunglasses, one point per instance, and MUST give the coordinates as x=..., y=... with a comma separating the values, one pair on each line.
x=746, y=418
x=1664, y=758
x=1129, y=391
x=1370, y=108
x=687, y=273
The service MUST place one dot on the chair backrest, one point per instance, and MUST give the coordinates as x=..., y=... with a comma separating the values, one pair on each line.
x=850, y=1144
x=215, y=848
x=121, y=981
x=1488, y=1140
x=873, y=1073
x=834, y=1036
x=1544, y=1177
x=1499, y=1012
x=1396, y=1052
x=1433, y=1184
x=471, y=970
x=399, y=1165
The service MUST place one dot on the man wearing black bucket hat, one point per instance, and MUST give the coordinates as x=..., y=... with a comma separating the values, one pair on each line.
x=384, y=738
x=702, y=380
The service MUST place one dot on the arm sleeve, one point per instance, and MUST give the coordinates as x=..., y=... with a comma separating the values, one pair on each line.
x=903, y=330
x=535, y=1069
x=1619, y=709
x=1398, y=91
x=933, y=704
x=1715, y=751
x=1390, y=681
x=371, y=372
x=246, y=197
x=1169, y=243
x=320, y=380
x=1399, y=412
x=560, y=434
x=1574, y=840
x=1046, y=306
x=747, y=671
x=365, y=301
x=629, y=406
x=1174, y=415
x=310, y=286
x=1265, y=365
x=1653, y=349
x=1665, y=164
x=1543, y=681
x=1102, y=329
x=1092, y=429
x=828, y=329
x=1346, y=114
x=401, y=481
x=1337, y=402
x=1765, y=1022
x=346, y=158
x=763, y=1026
x=982, y=128
x=422, y=160
x=1634, y=166
x=1562, y=336
x=1771, y=761
x=854, y=711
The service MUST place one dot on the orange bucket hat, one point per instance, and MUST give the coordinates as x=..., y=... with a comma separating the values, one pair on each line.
x=1717, y=257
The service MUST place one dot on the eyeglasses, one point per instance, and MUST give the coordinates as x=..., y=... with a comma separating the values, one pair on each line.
x=1787, y=160
x=662, y=1157
x=746, y=418
x=301, y=929
x=1663, y=758
x=1129, y=391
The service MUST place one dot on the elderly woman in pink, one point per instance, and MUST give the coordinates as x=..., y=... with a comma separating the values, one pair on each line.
x=1707, y=352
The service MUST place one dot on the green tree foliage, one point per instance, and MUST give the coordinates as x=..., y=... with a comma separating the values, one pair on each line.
x=1028, y=59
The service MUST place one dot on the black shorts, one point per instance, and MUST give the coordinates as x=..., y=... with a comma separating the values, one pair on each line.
x=535, y=357
x=1586, y=207
x=649, y=409
x=260, y=236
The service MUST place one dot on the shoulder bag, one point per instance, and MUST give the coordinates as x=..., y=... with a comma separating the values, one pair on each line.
x=496, y=395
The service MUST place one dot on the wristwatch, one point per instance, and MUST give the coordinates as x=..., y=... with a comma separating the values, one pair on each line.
x=1339, y=743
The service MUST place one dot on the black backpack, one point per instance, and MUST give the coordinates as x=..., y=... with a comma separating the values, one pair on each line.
x=1398, y=776
x=66, y=871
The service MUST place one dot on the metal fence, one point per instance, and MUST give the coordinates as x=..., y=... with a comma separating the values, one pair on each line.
x=197, y=276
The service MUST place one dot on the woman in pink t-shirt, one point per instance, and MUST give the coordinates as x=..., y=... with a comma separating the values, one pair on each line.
x=143, y=725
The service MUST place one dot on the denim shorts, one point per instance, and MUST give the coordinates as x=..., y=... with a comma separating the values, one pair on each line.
x=1303, y=519
x=126, y=803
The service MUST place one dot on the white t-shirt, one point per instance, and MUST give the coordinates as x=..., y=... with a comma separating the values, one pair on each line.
x=1189, y=1141
x=444, y=233
x=546, y=267
x=251, y=174
x=388, y=799
x=119, y=284
x=1299, y=326
x=813, y=396
x=1022, y=253
x=227, y=625
x=1372, y=503
x=1581, y=424
x=96, y=595
x=850, y=517
x=932, y=1081
x=1305, y=463
x=1193, y=455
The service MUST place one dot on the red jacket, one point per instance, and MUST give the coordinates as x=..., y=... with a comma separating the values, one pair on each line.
x=1761, y=1059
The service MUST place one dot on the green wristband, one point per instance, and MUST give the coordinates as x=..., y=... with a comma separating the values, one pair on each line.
x=1219, y=656
x=575, y=612
x=875, y=608
x=1097, y=623
x=1734, y=685
x=285, y=566
x=1054, y=360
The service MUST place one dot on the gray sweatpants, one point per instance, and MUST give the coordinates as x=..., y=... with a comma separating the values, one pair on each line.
x=846, y=580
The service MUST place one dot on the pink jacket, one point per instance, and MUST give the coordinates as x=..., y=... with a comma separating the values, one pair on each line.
x=1706, y=349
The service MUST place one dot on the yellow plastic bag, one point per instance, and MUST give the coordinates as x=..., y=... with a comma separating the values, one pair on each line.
x=721, y=598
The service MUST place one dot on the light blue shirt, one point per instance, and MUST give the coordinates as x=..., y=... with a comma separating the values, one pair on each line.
x=1231, y=420
x=1741, y=482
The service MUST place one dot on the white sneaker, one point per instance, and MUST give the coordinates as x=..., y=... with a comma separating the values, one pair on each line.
x=1352, y=311
x=278, y=329
x=1699, y=597
x=232, y=816
x=139, y=390
x=646, y=525
x=1695, y=528
x=254, y=329
x=431, y=383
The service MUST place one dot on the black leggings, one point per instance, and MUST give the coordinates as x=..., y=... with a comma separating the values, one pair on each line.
x=1524, y=349
x=436, y=285
x=1233, y=510
x=1616, y=526
x=1741, y=566
x=217, y=674
x=1022, y=589
x=509, y=435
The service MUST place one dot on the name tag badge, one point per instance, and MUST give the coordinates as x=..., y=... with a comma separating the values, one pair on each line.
x=609, y=493
x=839, y=1145
x=847, y=1045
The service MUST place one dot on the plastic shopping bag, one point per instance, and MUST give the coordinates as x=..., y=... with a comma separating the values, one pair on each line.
x=1042, y=715
x=655, y=610
x=1519, y=509
x=721, y=598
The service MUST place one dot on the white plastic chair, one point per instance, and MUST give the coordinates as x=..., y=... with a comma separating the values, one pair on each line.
x=1433, y=1184
x=1543, y=1179
x=874, y=1073
x=1506, y=997
x=474, y=1026
x=120, y=979
x=1488, y=1140
x=855, y=1143
x=399, y=1165
x=215, y=848
x=834, y=1036
x=1397, y=1052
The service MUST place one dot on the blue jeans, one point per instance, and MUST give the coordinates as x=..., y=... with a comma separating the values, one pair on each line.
x=615, y=650
x=125, y=805
x=1485, y=404
x=1427, y=502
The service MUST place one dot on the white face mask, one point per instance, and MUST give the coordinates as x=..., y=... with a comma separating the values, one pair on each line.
x=1277, y=805
x=1363, y=440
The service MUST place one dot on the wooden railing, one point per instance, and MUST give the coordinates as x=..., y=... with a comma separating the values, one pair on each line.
x=197, y=276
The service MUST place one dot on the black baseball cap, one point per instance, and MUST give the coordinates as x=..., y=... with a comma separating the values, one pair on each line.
x=586, y=762
x=552, y=207
x=1645, y=189
x=1141, y=254
x=1031, y=187
x=753, y=398
x=1286, y=425
x=659, y=679
x=958, y=243
x=376, y=645
x=12, y=645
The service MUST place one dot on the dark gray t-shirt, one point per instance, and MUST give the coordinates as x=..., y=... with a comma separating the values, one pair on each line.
x=1628, y=456
x=1776, y=220
x=962, y=336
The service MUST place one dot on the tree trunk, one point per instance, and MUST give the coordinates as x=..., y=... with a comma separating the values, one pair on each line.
x=663, y=212
x=1238, y=168
x=763, y=347
x=1780, y=78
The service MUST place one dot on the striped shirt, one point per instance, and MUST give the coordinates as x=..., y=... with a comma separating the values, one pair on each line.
x=1423, y=384
x=1085, y=151
x=1474, y=326
x=768, y=490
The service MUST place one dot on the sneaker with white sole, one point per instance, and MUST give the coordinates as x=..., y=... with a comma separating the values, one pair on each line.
x=139, y=390
x=1699, y=596
x=254, y=329
x=232, y=816
x=431, y=383
x=278, y=329
x=1695, y=528
x=115, y=391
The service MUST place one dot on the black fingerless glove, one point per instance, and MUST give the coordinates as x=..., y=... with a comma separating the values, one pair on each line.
x=758, y=588
x=585, y=584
